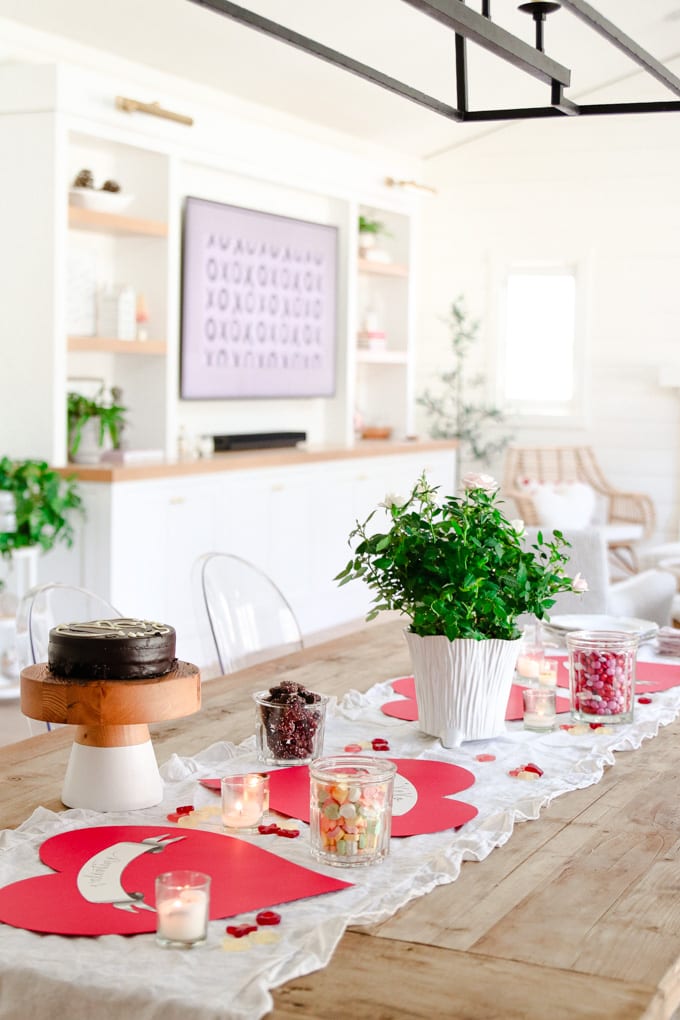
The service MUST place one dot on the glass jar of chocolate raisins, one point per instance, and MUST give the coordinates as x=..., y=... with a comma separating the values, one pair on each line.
x=289, y=724
x=602, y=675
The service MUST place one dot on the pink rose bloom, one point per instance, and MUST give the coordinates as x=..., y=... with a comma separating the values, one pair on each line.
x=579, y=583
x=472, y=480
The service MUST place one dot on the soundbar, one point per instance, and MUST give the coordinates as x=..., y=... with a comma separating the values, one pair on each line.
x=258, y=440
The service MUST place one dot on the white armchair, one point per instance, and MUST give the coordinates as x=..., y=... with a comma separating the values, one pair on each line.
x=648, y=595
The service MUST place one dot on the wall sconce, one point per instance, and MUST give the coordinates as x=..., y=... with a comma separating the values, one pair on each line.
x=391, y=182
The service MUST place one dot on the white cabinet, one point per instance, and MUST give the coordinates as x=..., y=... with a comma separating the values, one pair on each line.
x=142, y=538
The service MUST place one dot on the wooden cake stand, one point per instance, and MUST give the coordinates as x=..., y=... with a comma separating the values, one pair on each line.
x=112, y=766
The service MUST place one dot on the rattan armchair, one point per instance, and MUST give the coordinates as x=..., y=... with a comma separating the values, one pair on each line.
x=628, y=517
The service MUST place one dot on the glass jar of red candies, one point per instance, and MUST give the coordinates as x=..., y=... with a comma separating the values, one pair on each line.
x=602, y=675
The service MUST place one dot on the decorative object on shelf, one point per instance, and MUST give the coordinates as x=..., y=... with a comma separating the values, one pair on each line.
x=117, y=312
x=94, y=424
x=457, y=568
x=142, y=318
x=392, y=182
x=452, y=412
x=108, y=198
x=370, y=230
x=376, y=432
x=81, y=292
x=154, y=109
x=371, y=335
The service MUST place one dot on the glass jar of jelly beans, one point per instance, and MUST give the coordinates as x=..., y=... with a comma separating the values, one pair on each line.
x=350, y=816
x=602, y=675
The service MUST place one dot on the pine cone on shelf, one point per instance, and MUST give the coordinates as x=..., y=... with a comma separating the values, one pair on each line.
x=110, y=186
x=85, y=179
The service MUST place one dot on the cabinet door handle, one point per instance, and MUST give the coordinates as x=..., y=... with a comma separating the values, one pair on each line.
x=176, y=500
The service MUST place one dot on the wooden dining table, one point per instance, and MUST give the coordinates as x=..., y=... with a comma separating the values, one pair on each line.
x=576, y=915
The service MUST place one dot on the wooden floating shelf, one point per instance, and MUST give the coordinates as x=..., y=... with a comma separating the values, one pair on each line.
x=109, y=345
x=382, y=268
x=113, y=223
x=382, y=357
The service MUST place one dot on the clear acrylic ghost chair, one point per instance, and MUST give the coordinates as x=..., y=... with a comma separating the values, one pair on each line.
x=47, y=605
x=243, y=617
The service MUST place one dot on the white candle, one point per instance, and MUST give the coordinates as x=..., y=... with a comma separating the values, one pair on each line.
x=547, y=673
x=184, y=917
x=539, y=720
x=244, y=800
x=528, y=666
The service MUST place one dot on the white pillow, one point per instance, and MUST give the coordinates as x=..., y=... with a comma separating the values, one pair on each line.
x=563, y=505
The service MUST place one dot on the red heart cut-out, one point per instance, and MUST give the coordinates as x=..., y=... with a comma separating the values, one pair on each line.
x=103, y=881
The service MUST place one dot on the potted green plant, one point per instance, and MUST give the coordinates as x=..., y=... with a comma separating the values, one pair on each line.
x=369, y=231
x=94, y=425
x=38, y=508
x=452, y=409
x=459, y=570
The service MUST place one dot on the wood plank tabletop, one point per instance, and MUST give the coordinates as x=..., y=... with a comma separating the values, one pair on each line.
x=576, y=916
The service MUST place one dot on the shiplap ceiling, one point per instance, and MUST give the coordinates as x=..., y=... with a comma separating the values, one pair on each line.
x=178, y=37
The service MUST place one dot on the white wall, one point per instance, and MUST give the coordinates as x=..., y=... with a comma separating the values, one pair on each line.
x=603, y=190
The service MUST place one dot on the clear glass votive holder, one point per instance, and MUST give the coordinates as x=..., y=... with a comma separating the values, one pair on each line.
x=182, y=909
x=602, y=675
x=539, y=709
x=350, y=809
x=289, y=725
x=530, y=654
x=547, y=673
x=244, y=800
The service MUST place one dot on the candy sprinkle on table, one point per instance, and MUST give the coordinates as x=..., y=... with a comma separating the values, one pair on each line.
x=485, y=757
x=644, y=701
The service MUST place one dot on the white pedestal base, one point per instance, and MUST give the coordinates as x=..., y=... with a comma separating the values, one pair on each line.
x=112, y=778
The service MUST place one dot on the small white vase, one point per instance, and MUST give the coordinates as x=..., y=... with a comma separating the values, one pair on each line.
x=89, y=451
x=462, y=686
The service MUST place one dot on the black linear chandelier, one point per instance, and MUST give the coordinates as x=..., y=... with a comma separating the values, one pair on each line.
x=480, y=29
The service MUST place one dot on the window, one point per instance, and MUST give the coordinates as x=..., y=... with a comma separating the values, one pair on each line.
x=541, y=362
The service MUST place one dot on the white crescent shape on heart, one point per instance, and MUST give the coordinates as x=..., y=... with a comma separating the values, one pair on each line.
x=405, y=795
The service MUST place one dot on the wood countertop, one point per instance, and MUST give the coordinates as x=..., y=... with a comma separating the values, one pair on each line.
x=576, y=916
x=246, y=460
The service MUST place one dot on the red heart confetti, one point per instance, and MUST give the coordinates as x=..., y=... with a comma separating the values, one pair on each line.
x=485, y=757
x=380, y=744
x=530, y=767
x=268, y=830
x=186, y=809
x=353, y=749
x=268, y=917
x=644, y=701
x=240, y=930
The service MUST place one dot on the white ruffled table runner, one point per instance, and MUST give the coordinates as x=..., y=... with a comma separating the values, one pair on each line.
x=51, y=976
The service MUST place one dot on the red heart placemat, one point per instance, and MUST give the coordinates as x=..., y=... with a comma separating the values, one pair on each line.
x=103, y=881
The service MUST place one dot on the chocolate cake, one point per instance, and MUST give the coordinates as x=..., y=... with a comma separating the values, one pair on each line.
x=116, y=649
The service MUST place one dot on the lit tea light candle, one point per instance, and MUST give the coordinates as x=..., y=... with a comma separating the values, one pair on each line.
x=547, y=673
x=539, y=708
x=528, y=666
x=244, y=800
x=182, y=908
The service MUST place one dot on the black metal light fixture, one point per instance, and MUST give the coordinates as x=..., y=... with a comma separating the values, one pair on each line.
x=479, y=28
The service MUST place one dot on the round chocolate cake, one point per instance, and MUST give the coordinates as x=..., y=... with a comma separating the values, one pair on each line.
x=117, y=649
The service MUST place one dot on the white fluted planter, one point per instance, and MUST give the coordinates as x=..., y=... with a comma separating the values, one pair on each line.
x=462, y=686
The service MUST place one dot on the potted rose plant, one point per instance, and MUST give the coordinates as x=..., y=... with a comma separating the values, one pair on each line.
x=460, y=571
